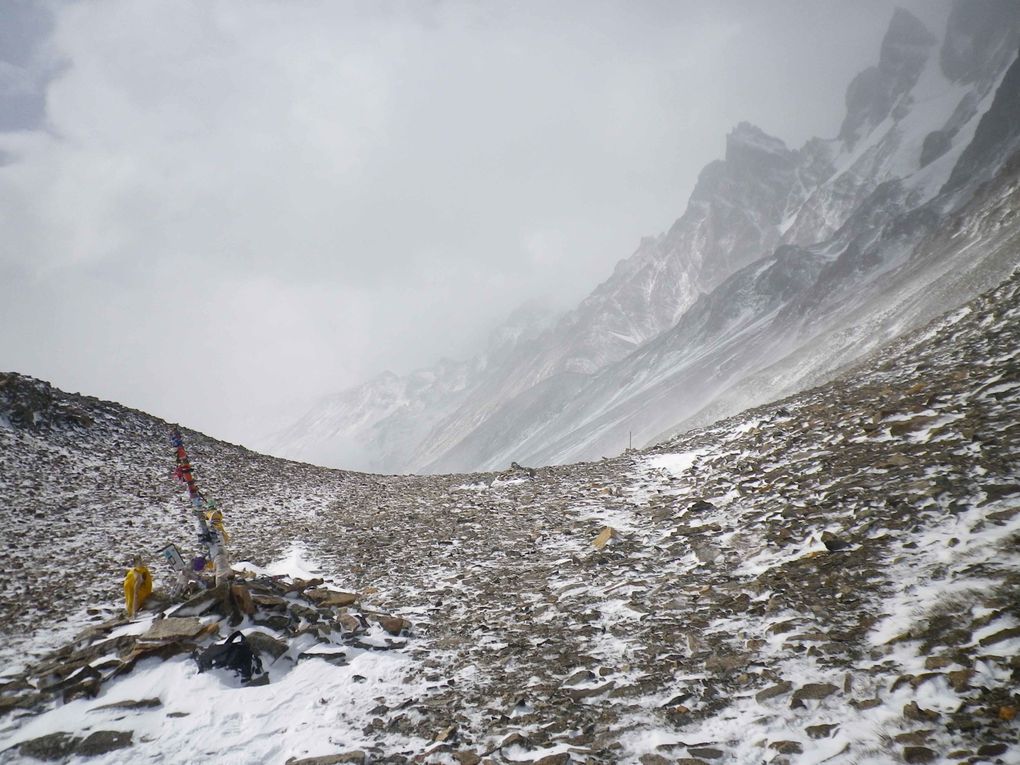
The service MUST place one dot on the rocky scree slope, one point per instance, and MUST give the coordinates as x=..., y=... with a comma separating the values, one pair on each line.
x=614, y=365
x=832, y=577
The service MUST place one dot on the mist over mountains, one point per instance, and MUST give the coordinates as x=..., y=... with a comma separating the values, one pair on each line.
x=786, y=265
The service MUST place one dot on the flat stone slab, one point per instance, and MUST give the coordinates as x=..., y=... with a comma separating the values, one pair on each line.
x=174, y=628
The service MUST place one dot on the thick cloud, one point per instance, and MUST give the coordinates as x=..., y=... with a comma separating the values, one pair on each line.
x=229, y=207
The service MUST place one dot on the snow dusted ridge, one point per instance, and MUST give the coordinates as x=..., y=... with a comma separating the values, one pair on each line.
x=786, y=265
x=829, y=578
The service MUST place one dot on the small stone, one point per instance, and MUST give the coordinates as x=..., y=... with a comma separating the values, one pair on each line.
x=332, y=598
x=787, y=747
x=447, y=734
x=393, y=624
x=466, y=757
x=992, y=750
x=812, y=691
x=918, y=754
x=726, y=662
x=960, y=679
x=266, y=643
x=775, y=690
x=517, y=739
x=562, y=758
x=579, y=694
x=705, y=752
x=937, y=662
x=700, y=506
x=350, y=624
x=913, y=712
x=863, y=704
x=833, y=543
x=821, y=731
x=1000, y=636
x=103, y=741
x=654, y=759
x=605, y=536
x=356, y=756
x=579, y=677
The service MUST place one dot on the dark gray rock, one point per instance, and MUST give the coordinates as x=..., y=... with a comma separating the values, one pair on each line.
x=103, y=741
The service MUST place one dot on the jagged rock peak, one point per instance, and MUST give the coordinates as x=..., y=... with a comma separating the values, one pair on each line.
x=906, y=40
x=873, y=93
x=981, y=36
x=747, y=140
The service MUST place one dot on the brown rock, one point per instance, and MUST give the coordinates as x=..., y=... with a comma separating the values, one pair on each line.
x=913, y=712
x=553, y=759
x=918, y=754
x=265, y=643
x=357, y=756
x=992, y=750
x=999, y=636
x=578, y=694
x=705, y=752
x=771, y=693
x=812, y=691
x=960, y=679
x=866, y=703
x=787, y=747
x=393, y=624
x=303, y=584
x=897, y=460
x=466, y=757
x=332, y=598
x=350, y=624
x=242, y=599
x=726, y=662
x=173, y=628
x=604, y=537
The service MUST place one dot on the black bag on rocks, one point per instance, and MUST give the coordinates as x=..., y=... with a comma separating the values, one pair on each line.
x=234, y=653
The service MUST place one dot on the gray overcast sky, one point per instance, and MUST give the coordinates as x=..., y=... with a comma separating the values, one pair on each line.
x=213, y=210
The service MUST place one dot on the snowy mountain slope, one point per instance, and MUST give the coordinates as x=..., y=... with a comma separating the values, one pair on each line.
x=909, y=135
x=870, y=281
x=733, y=213
x=716, y=624
x=973, y=251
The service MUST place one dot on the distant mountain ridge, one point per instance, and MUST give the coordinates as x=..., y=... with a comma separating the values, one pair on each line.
x=778, y=252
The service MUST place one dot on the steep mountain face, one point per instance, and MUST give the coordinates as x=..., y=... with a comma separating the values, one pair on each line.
x=830, y=578
x=781, y=257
